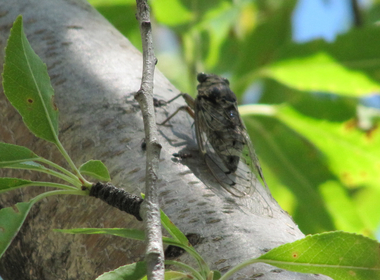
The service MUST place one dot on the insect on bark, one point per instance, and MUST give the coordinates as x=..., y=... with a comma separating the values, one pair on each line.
x=224, y=142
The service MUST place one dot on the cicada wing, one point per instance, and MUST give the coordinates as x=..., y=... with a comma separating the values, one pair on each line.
x=227, y=181
x=250, y=167
x=244, y=181
x=243, y=184
x=250, y=158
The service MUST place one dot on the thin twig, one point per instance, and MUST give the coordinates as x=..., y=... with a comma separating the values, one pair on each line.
x=150, y=207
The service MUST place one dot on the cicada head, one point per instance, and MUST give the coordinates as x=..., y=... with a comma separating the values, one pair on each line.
x=215, y=89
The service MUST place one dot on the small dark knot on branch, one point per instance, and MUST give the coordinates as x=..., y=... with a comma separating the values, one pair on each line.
x=146, y=24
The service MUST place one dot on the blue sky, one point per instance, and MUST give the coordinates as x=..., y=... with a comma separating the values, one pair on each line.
x=321, y=19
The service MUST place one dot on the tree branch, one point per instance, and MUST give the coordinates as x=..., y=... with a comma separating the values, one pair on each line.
x=356, y=13
x=150, y=208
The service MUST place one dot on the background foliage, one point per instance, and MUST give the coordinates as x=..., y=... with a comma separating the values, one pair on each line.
x=319, y=148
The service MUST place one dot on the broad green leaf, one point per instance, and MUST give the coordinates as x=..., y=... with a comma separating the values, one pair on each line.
x=171, y=12
x=340, y=255
x=331, y=67
x=95, y=169
x=297, y=167
x=367, y=203
x=7, y=184
x=133, y=271
x=11, y=220
x=353, y=155
x=342, y=208
x=27, y=85
x=321, y=72
x=11, y=154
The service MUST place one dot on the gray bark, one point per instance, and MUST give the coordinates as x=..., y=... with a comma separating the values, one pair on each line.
x=95, y=71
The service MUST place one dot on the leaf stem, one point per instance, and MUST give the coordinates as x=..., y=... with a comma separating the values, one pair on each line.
x=240, y=266
x=70, y=179
x=50, y=193
x=71, y=163
x=186, y=267
x=51, y=185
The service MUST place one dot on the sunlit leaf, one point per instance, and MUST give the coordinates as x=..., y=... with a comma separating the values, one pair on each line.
x=171, y=12
x=27, y=85
x=342, y=207
x=335, y=67
x=321, y=72
x=297, y=166
x=353, y=155
x=339, y=255
x=95, y=169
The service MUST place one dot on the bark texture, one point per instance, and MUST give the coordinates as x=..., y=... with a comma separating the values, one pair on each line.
x=95, y=72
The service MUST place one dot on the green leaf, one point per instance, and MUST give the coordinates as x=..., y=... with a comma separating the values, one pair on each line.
x=340, y=255
x=218, y=22
x=7, y=184
x=331, y=67
x=30, y=165
x=258, y=48
x=217, y=274
x=12, y=154
x=177, y=275
x=122, y=232
x=171, y=12
x=11, y=220
x=133, y=271
x=344, y=210
x=350, y=153
x=173, y=230
x=296, y=166
x=321, y=72
x=95, y=169
x=27, y=85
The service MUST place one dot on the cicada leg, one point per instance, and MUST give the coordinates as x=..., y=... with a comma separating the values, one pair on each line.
x=188, y=108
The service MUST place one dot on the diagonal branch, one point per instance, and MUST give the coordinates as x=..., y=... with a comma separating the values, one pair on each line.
x=150, y=208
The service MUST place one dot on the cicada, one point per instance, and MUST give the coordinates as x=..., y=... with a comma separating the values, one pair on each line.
x=223, y=140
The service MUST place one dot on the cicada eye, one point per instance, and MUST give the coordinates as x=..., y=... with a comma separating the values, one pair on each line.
x=227, y=81
x=202, y=77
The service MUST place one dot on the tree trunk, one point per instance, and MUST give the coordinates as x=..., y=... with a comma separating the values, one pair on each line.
x=95, y=71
